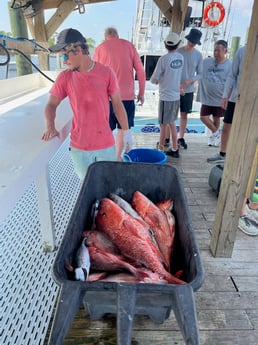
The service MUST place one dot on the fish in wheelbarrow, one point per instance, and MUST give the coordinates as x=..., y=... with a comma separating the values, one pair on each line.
x=82, y=269
x=127, y=207
x=104, y=261
x=140, y=229
x=111, y=219
x=96, y=238
x=158, y=222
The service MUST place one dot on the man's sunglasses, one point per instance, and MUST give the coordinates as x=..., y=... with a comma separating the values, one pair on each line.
x=65, y=56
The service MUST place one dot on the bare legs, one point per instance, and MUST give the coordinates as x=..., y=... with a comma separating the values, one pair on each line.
x=225, y=136
x=164, y=134
x=183, y=124
x=212, y=124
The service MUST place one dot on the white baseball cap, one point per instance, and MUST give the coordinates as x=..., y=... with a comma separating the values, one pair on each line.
x=172, y=39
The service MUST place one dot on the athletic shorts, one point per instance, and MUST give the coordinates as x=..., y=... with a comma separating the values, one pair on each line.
x=207, y=110
x=229, y=113
x=130, y=111
x=83, y=159
x=168, y=111
x=186, y=103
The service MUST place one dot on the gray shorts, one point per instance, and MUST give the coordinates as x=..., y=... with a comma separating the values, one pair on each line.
x=168, y=111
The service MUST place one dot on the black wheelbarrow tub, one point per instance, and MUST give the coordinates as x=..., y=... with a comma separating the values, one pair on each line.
x=157, y=182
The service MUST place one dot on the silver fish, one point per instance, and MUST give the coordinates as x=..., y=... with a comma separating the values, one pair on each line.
x=82, y=262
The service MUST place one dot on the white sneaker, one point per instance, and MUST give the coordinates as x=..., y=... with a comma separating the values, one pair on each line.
x=247, y=227
x=217, y=138
x=211, y=140
x=252, y=214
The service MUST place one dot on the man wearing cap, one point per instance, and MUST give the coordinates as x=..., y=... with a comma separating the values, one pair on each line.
x=122, y=57
x=89, y=86
x=167, y=74
x=215, y=72
x=191, y=73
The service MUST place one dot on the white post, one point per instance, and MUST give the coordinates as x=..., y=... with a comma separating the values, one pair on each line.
x=45, y=207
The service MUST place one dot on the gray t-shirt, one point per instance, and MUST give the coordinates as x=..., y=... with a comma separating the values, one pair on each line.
x=167, y=74
x=211, y=85
x=233, y=79
x=192, y=67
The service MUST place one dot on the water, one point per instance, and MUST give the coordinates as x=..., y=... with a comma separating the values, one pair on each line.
x=10, y=71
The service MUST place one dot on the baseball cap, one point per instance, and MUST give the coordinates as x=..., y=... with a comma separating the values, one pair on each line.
x=66, y=37
x=172, y=39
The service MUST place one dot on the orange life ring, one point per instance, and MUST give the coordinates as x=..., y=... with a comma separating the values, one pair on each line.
x=207, y=20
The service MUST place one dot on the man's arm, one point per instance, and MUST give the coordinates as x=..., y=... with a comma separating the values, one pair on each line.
x=50, y=115
x=119, y=111
x=141, y=76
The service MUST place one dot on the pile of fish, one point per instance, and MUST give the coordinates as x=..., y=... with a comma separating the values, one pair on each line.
x=128, y=242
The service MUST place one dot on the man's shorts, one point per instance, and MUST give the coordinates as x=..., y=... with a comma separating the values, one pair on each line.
x=229, y=113
x=168, y=111
x=130, y=111
x=207, y=110
x=186, y=103
x=83, y=159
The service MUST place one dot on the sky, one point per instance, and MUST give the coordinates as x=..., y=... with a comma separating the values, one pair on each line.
x=122, y=15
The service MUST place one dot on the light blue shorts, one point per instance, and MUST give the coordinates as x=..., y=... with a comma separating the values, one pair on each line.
x=83, y=159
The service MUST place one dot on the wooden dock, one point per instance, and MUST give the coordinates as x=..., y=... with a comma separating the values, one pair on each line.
x=227, y=302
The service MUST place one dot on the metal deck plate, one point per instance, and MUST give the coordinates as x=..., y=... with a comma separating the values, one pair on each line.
x=28, y=292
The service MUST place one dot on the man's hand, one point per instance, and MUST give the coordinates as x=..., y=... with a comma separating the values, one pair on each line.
x=49, y=134
x=224, y=103
x=128, y=140
x=140, y=99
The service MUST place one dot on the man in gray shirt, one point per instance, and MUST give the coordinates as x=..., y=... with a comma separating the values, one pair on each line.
x=228, y=102
x=192, y=72
x=211, y=86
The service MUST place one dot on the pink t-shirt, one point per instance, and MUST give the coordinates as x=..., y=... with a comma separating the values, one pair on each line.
x=122, y=57
x=89, y=98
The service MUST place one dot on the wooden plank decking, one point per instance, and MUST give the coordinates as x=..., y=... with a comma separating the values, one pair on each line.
x=227, y=303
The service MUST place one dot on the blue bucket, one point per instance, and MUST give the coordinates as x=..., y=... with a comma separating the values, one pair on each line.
x=145, y=156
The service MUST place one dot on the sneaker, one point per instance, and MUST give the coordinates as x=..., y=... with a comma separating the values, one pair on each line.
x=172, y=153
x=167, y=142
x=211, y=140
x=217, y=138
x=217, y=158
x=247, y=227
x=181, y=142
x=251, y=214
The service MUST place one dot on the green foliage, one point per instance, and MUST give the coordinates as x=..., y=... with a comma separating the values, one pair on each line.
x=51, y=41
x=91, y=42
x=5, y=33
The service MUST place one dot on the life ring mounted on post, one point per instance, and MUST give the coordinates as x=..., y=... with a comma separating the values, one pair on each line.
x=214, y=4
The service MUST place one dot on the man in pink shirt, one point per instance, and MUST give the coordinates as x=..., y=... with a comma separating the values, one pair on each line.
x=122, y=57
x=89, y=86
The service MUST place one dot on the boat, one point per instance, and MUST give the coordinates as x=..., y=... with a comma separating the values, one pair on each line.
x=38, y=192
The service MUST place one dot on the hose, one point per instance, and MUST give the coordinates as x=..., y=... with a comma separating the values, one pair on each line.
x=29, y=60
x=6, y=54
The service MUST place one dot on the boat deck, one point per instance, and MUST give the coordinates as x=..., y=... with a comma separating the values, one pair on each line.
x=227, y=303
